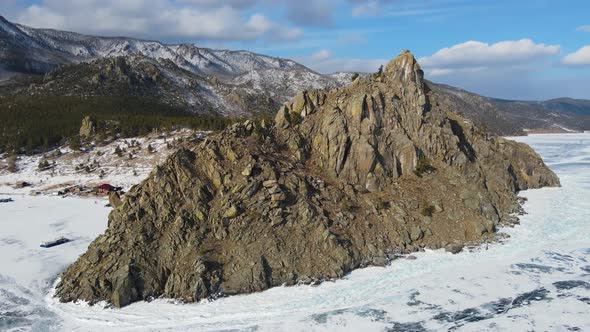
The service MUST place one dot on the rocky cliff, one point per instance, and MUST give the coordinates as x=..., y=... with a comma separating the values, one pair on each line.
x=344, y=178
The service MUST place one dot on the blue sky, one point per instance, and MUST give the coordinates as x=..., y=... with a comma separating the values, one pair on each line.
x=519, y=49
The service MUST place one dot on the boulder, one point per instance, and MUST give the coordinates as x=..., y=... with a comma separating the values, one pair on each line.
x=21, y=184
x=416, y=233
x=454, y=248
x=231, y=212
x=248, y=170
x=270, y=183
x=88, y=127
x=115, y=199
x=278, y=197
x=124, y=291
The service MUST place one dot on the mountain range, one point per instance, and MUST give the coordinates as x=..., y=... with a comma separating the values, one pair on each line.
x=229, y=83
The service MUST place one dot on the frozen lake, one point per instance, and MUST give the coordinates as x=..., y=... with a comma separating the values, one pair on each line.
x=539, y=279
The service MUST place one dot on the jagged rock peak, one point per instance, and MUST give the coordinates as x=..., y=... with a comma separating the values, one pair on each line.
x=404, y=69
x=404, y=63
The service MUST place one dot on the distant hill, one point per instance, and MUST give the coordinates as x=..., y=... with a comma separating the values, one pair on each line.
x=513, y=117
x=567, y=105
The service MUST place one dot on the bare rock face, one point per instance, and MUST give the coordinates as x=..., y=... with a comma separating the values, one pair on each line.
x=88, y=127
x=346, y=178
x=115, y=199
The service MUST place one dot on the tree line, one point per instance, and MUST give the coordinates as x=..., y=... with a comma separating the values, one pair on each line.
x=30, y=124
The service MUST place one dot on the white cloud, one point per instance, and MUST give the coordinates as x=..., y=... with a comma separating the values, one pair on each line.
x=395, y=8
x=260, y=25
x=167, y=19
x=475, y=55
x=324, y=62
x=580, y=57
x=217, y=3
x=509, y=69
x=440, y=72
x=321, y=55
x=583, y=28
x=367, y=8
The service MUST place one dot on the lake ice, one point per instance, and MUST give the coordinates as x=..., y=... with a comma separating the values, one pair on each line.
x=538, y=279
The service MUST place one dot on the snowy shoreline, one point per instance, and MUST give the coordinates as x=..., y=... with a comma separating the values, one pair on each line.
x=94, y=166
x=527, y=282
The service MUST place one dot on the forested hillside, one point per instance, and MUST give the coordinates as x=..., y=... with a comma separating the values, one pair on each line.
x=31, y=124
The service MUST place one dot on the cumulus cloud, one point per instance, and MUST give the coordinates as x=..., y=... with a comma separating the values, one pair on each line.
x=477, y=56
x=366, y=8
x=323, y=61
x=168, y=19
x=584, y=28
x=580, y=57
x=507, y=69
x=321, y=55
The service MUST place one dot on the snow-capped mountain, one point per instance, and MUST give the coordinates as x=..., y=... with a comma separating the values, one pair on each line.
x=228, y=80
x=79, y=47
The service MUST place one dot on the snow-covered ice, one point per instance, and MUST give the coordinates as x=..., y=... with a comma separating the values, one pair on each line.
x=27, y=271
x=539, y=279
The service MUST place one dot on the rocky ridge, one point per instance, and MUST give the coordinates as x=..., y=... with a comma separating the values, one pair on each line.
x=345, y=178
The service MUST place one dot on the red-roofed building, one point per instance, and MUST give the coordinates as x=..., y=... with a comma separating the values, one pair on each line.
x=104, y=189
x=105, y=186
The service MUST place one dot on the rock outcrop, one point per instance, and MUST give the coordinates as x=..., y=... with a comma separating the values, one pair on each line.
x=88, y=127
x=345, y=178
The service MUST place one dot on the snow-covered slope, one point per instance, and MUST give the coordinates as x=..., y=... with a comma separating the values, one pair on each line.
x=20, y=52
x=94, y=165
x=345, y=77
x=222, y=63
x=187, y=56
x=233, y=82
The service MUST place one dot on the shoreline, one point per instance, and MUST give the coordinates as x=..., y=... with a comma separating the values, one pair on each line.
x=497, y=239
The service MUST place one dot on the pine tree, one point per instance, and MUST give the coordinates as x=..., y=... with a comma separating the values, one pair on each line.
x=75, y=143
x=118, y=151
x=43, y=164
